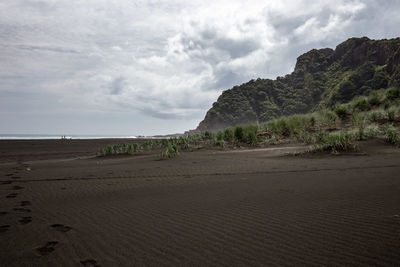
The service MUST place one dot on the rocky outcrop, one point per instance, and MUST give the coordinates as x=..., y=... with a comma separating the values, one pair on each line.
x=321, y=78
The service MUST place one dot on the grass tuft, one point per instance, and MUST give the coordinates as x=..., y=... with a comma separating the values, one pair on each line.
x=170, y=152
x=341, y=111
x=392, y=136
x=335, y=142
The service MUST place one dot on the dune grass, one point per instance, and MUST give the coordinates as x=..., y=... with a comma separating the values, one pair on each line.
x=335, y=142
x=170, y=152
x=334, y=129
x=392, y=136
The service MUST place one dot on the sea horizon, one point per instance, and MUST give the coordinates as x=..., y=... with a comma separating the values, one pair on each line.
x=63, y=136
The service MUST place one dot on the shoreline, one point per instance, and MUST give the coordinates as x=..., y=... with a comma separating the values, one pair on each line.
x=27, y=150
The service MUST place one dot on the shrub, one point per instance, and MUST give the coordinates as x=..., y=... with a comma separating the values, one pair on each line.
x=364, y=133
x=107, y=151
x=362, y=104
x=183, y=142
x=391, y=114
x=208, y=135
x=145, y=145
x=341, y=111
x=282, y=128
x=228, y=135
x=297, y=123
x=220, y=136
x=327, y=118
x=131, y=148
x=371, y=131
x=250, y=134
x=312, y=121
x=305, y=137
x=320, y=137
x=252, y=138
x=393, y=93
x=392, y=136
x=338, y=141
x=221, y=143
x=376, y=115
x=170, y=152
x=164, y=142
x=194, y=139
x=119, y=149
x=374, y=99
x=386, y=105
x=360, y=134
x=359, y=120
x=239, y=136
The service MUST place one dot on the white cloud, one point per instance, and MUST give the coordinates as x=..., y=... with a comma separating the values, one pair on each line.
x=163, y=59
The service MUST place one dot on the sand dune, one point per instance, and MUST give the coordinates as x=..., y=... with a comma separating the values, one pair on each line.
x=203, y=208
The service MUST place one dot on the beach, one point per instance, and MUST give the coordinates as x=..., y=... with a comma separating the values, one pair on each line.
x=63, y=206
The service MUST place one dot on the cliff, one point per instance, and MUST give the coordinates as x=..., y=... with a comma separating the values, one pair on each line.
x=321, y=78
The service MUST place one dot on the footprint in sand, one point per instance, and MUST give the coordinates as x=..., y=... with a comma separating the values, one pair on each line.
x=17, y=187
x=25, y=220
x=61, y=228
x=22, y=210
x=25, y=203
x=7, y=182
x=47, y=249
x=12, y=195
x=90, y=263
x=2, y=213
x=9, y=174
x=4, y=228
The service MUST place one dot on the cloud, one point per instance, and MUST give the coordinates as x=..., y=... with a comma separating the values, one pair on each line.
x=44, y=48
x=117, y=86
x=164, y=60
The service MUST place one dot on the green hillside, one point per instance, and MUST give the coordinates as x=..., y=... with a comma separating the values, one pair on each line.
x=336, y=129
x=321, y=79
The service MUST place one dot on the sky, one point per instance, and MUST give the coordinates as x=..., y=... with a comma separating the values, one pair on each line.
x=127, y=67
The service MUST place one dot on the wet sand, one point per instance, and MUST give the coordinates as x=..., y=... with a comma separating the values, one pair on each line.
x=202, y=208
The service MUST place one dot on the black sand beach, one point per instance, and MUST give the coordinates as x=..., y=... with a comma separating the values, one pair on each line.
x=63, y=207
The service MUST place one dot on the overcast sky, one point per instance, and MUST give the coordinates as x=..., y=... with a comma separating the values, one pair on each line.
x=156, y=67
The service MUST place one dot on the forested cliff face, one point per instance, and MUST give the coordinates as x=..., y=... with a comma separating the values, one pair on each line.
x=321, y=78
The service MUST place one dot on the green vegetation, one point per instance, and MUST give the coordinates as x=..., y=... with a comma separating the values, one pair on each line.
x=321, y=79
x=170, y=152
x=341, y=111
x=392, y=136
x=228, y=135
x=337, y=141
x=171, y=146
x=239, y=135
x=336, y=129
x=344, y=91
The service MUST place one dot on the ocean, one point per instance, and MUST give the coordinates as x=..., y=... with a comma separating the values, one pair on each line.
x=58, y=136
